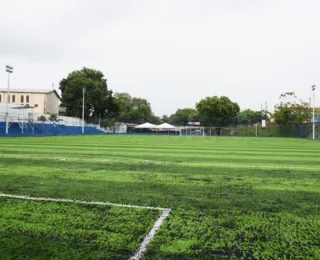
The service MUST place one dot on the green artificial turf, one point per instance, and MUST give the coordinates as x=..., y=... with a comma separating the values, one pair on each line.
x=64, y=230
x=231, y=197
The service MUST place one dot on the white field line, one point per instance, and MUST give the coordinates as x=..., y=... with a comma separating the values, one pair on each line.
x=146, y=241
x=149, y=237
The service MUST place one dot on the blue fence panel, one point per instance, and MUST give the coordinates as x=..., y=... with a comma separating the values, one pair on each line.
x=40, y=129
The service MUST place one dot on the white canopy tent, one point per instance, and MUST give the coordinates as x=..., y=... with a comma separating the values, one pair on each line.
x=145, y=126
x=165, y=126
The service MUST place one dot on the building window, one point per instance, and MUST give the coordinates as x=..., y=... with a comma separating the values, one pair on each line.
x=21, y=99
x=0, y=98
x=8, y=98
x=27, y=99
x=13, y=98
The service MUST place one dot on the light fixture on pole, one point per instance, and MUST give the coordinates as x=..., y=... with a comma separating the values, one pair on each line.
x=9, y=69
x=83, y=92
x=313, y=88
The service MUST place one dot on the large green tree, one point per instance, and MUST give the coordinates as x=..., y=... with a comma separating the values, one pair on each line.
x=250, y=117
x=183, y=116
x=217, y=111
x=124, y=103
x=165, y=119
x=156, y=120
x=98, y=99
x=133, y=109
x=291, y=111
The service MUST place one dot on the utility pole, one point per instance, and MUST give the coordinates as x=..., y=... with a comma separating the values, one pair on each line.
x=266, y=112
x=83, y=92
x=310, y=104
x=313, y=88
x=261, y=114
x=9, y=69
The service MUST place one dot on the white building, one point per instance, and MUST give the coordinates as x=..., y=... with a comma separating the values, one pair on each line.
x=43, y=101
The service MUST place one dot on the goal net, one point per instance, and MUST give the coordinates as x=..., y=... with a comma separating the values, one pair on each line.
x=191, y=130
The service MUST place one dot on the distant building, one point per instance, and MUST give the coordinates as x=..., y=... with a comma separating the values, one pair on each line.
x=244, y=112
x=62, y=111
x=316, y=114
x=121, y=127
x=43, y=101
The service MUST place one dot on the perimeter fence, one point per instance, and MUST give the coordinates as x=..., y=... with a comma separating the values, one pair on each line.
x=272, y=130
x=30, y=124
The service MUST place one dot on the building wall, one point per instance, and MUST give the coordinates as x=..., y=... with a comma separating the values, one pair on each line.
x=37, y=100
x=52, y=103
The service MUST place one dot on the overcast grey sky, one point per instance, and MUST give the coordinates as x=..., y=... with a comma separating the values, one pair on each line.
x=171, y=52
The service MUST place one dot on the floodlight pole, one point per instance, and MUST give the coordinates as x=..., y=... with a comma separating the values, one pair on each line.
x=22, y=120
x=313, y=88
x=9, y=69
x=83, y=92
x=266, y=112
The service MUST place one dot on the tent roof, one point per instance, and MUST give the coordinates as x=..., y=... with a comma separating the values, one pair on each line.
x=165, y=126
x=146, y=125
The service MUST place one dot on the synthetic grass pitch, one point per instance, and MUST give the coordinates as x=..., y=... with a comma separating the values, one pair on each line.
x=230, y=197
x=46, y=228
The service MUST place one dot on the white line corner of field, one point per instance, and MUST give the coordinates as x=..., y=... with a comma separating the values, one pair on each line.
x=146, y=241
x=150, y=236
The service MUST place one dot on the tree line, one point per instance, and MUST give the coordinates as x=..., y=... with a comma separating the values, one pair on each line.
x=102, y=103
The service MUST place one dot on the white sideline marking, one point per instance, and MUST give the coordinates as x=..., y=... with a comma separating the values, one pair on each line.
x=146, y=241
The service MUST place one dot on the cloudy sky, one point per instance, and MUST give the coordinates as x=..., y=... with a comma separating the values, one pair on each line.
x=171, y=52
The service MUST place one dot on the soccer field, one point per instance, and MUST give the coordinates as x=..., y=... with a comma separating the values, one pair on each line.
x=229, y=197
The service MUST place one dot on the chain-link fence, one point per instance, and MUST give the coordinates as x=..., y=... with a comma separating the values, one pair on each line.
x=272, y=130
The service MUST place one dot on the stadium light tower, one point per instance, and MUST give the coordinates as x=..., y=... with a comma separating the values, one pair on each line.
x=9, y=69
x=313, y=88
x=83, y=92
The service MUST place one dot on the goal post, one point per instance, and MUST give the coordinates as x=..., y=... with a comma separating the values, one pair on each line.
x=191, y=131
x=220, y=131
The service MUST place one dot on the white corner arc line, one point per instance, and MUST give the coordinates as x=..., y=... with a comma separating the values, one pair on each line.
x=146, y=241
